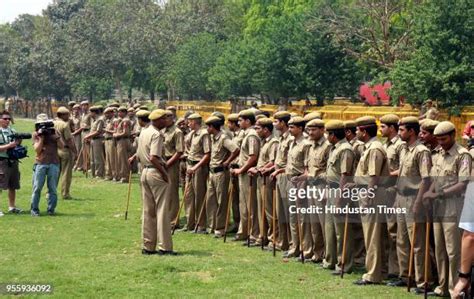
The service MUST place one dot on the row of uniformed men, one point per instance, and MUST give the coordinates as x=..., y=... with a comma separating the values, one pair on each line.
x=419, y=166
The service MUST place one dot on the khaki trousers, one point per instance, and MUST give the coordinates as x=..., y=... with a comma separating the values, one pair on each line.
x=234, y=181
x=97, y=157
x=123, y=147
x=393, y=267
x=195, y=198
x=244, y=200
x=110, y=159
x=173, y=190
x=156, y=228
x=66, y=162
x=304, y=226
x=283, y=214
x=317, y=221
x=265, y=208
x=375, y=238
x=84, y=158
x=405, y=224
x=217, y=200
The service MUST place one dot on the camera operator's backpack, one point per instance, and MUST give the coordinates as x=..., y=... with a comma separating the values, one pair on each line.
x=17, y=153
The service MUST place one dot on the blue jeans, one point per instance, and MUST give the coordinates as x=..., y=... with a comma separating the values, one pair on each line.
x=41, y=172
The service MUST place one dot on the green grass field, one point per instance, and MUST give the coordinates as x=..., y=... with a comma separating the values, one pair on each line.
x=89, y=250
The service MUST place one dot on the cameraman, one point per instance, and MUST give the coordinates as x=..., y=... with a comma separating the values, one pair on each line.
x=47, y=141
x=9, y=173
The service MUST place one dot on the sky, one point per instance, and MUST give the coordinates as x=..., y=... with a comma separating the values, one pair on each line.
x=10, y=9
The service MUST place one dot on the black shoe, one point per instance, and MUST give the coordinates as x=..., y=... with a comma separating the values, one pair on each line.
x=392, y=276
x=251, y=243
x=167, y=252
x=148, y=252
x=397, y=283
x=419, y=291
x=51, y=213
x=363, y=282
x=338, y=272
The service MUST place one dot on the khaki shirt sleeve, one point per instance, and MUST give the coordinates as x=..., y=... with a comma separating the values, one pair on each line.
x=206, y=143
x=273, y=152
x=67, y=133
x=230, y=145
x=424, y=164
x=156, y=146
x=254, y=146
x=376, y=160
x=179, y=141
x=465, y=164
x=100, y=125
x=347, y=162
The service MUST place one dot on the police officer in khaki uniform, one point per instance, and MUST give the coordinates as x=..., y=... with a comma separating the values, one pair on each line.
x=109, y=145
x=266, y=159
x=350, y=127
x=66, y=154
x=76, y=133
x=450, y=174
x=224, y=151
x=281, y=124
x=156, y=229
x=295, y=167
x=427, y=137
x=372, y=173
x=197, y=172
x=237, y=137
x=413, y=182
x=86, y=122
x=248, y=158
x=122, y=138
x=340, y=169
x=174, y=148
x=96, y=139
x=393, y=146
x=316, y=164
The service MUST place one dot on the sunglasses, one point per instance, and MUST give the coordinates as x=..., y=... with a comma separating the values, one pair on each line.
x=6, y=118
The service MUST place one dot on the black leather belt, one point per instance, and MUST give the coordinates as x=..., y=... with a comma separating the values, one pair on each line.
x=217, y=169
x=108, y=138
x=191, y=162
x=408, y=192
x=86, y=130
x=149, y=166
x=234, y=166
x=98, y=137
x=120, y=138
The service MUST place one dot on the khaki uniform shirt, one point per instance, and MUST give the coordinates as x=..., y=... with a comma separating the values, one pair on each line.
x=109, y=125
x=63, y=129
x=222, y=148
x=415, y=164
x=296, y=156
x=86, y=121
x=200, y=144
x=124, y=126
x=268, y=152
x=394, y=148
x=372, y=163
x=341, y=161
x=98, y=125
x=238, y=137
x=250, y=146
x=174, y=141
x=359, y=148
x=150, y=143
x=282, y=152
x=451, y=167
x=317, y=157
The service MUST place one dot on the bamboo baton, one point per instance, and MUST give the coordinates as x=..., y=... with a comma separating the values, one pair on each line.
x=274, y=219
x=176, y=220
x=299, y=230
x=128, y=195
x=410, y=264
x=344, y=244
x=249, y=212
x=229, y=203
x=264, y=198
x=201, y=213
x=427, y=254
x=80, y=153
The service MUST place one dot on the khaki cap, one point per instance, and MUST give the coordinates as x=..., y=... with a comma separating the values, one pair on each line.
x=143, y=108
x=71, y=103
x=94, y=108
x=281, y=114
x=85, y=103
x=108, y=109
x=247, y=113
x=334, y=125
x=169, y=112
x=131, y=109
x=412, y=120
x=180, y=120
x=194, y=116
x=155, y=114
x=77, y=106
x=171, y=108
x=123, y=108
x=143, y=113
x=233, y=117
x=62, y=110
x=42, y=118
x=315, y=123
x=136, y=106
x=365, y=121
x=312, y=115
x=389, y=119
x=350, y=124
x=115, y=104
x=264, y=121
x=213, y=120
x=219, y=114
x=294, y=114
x=260, y=116
x=297, y=120
x=429, y=124
x=443, y=128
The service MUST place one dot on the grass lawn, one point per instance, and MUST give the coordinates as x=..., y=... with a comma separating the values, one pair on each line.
x=89, y=250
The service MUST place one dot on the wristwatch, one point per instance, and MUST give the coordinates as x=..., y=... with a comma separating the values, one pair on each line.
x=464, y=275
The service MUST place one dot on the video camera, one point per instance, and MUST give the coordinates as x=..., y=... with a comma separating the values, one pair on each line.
x=45, y=128
x=20, y=136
